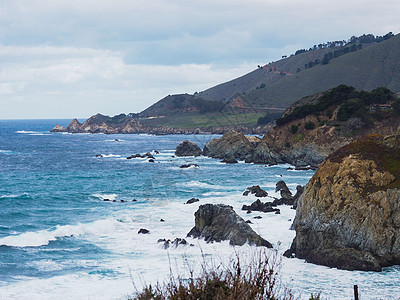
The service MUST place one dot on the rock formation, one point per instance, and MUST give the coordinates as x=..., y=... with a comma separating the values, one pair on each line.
x=256, y=190
x=232, y=144
x=187, y=148
x=220, y=222
x=260, y=206
x=59, y=128
x=349, y=214
x=74, y=126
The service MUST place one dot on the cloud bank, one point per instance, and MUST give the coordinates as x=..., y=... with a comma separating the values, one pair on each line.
x=60, y=59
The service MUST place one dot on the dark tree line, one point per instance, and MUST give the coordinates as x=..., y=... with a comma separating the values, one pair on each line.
x=353, y=103
x=363, y=39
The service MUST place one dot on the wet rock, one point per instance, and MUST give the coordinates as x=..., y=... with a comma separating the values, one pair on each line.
x=260, y=206
x=176, y=242
x=185, y=166
x=187, y=148
x=151, y=160
x=143, y=231
x=192, y=200
x=230, y=160
x=220, y=222
x=256, y=190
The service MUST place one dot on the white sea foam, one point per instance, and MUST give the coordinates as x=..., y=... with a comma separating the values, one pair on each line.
x=110, y=155
x=43, y=237
x=14, y=196
x=105, y=196
x=6, y=151
x=27, y=131
x=40, y=134
x=195, y=183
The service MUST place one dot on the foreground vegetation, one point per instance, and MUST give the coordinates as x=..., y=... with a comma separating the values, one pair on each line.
x=257, y=280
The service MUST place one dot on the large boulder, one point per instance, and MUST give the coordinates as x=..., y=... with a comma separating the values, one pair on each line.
x=348, y=216
x=220, y=222
x=187, y=148
x=232, y=144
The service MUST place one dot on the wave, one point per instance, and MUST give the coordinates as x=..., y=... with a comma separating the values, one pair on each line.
x=40, y=133
x=105, y=196
x=6, y=151
x=27, y=132
x=24, y=195
x=110, y=155
x=44, y=237
x=202, y=185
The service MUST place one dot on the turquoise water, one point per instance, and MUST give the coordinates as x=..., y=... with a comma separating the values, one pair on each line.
x=60, y=240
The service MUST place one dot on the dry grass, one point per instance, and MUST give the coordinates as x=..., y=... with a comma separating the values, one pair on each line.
x=258, y=279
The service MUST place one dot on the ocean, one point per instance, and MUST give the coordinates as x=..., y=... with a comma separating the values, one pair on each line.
x=59, y=239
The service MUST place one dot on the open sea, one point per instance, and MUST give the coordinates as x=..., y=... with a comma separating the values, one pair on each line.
x=59, y=239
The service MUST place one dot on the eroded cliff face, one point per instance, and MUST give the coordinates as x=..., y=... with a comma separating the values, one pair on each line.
x=349, y=214
x=300, y=147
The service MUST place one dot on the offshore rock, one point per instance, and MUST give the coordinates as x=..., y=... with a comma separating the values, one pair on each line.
x=59, y=128
x=187, y=148
x=74, y=126
x=260, y=206
x=229, y=160
x=348, y=216
x=231, y=144
x=256, y=190
x=220, y=222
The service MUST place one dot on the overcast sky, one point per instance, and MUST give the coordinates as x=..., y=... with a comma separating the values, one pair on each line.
x=75, y=58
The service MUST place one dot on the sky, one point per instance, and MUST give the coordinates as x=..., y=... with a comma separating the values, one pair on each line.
x=76, y=58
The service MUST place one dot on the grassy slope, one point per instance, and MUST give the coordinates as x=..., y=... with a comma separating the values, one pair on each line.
x=194, y=120
x=371, y=67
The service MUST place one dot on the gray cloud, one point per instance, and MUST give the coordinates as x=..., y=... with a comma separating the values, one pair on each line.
x=113, y=56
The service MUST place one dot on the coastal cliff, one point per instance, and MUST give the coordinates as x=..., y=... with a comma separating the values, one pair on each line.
x=317, y=125
x=128, y=124
x=349, y=214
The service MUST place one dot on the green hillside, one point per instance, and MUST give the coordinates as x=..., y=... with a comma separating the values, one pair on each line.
x=376, y=64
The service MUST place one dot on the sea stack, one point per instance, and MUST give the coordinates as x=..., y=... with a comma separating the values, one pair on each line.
x=349, y=214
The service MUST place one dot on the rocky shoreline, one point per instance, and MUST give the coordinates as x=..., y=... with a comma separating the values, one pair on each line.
x=96, y=124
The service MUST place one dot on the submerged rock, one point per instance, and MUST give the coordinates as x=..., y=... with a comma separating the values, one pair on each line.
x=220, y=222
x=187, y=148
x=185, y=166
x=348, y=216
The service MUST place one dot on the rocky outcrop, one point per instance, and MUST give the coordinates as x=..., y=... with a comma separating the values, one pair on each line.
x=59, y=128
x=260, y=206
x=349, y=214
x=187, y=148
x=74, y=126
x=232, y=144
x=256, y=190
x=185, y=166
x=220, y=222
